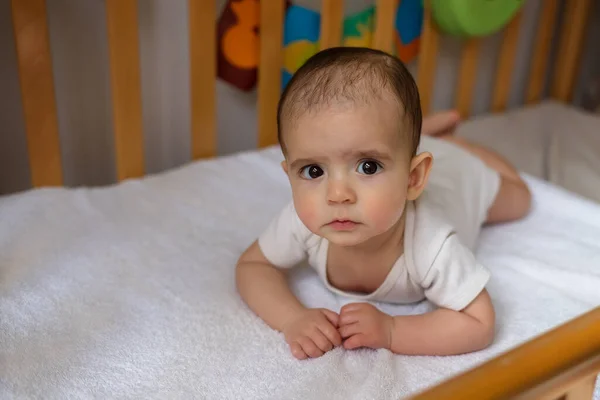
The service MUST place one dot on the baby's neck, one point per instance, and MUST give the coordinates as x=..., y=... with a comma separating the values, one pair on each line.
x=364, y=268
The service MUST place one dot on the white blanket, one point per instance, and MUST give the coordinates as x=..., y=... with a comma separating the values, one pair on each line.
x=128, y=291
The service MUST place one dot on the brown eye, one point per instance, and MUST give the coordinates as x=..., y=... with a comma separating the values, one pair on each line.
x=368, y=167
x=311, y=172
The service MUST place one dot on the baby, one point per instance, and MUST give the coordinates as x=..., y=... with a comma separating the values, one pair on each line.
x=376, y=216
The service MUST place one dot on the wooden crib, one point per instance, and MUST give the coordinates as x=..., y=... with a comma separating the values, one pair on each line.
x=562, y=363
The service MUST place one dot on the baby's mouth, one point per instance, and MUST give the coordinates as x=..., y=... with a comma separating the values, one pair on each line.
x=342, y=224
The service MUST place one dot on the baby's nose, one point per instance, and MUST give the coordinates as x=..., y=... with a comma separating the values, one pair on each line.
x=339, y=191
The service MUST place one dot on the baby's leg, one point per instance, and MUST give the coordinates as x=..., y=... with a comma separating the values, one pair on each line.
x=440, y=123
x=514, y=198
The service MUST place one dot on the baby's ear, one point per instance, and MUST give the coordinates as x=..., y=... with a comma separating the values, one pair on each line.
x=420, y=166
x=284, y=166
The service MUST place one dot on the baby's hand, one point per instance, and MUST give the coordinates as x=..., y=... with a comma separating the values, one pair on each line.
x=312, y=333
x=363, y=325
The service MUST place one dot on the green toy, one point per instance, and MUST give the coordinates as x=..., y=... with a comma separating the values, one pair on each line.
x=473, y=18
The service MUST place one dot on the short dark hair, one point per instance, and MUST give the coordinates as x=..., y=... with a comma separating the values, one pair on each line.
x=351, y=74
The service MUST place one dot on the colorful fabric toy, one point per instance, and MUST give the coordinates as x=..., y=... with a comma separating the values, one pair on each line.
x=409, y=23
x=302, y=28
x=300, y=39
x=238, y=41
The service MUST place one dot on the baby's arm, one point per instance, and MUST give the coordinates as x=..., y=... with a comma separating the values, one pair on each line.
x=264, y=288
x=309, y=332
x=465, y=320
x=440, y=332
x=444, y=331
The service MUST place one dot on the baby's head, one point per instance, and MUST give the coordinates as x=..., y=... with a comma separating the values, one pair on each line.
x=349, y=124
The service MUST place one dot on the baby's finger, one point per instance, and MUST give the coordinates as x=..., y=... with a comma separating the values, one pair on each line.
x=297, y=351
x=331, y=333
x=353, y=307
x=321, y=341
x=355, y=341
x=331, y=316
x=349, y=317
x=349, y=330
x=309, y=347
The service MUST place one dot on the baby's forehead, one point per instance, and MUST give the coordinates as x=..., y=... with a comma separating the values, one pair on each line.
x=347, y=124
x=301, y=114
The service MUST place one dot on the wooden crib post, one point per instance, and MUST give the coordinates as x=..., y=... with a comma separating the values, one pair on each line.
x=572, y=34
x=269, y=72
x=506, y=63
x=541, y=51
x=203, y=77
x=383, y=37
x=427, y=60
x=467, y=76
x=331, y=23
x=123, y=45
x=37, y=91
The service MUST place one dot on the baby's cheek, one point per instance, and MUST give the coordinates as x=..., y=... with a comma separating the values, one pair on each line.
x=307, y=212
x=383, y=218
x=385, y=210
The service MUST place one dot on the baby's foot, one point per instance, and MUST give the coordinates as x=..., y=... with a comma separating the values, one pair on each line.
x=440, y=124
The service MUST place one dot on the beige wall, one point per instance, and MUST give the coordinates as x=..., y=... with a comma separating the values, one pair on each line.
x=78, y=42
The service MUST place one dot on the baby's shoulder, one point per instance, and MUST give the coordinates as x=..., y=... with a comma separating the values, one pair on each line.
x=288, y=223
x=426, y=234
x=427, y=226
x=286, y=240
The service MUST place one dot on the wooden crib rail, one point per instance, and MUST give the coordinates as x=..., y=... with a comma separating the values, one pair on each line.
x=38, y=97
x=562, y=363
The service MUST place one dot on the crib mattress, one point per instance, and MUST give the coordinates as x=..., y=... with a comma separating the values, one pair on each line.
x=128, y=291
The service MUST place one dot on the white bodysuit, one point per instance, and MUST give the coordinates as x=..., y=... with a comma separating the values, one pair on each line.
x=441, y=232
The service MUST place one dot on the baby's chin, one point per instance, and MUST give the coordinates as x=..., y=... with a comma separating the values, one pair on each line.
x=346, y=239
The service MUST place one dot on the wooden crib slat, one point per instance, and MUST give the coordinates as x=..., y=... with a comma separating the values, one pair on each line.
x=269, y=72
x=37, y=91
x=533, y=369
x=123, y=45
x=506, y=63
x=331, y=23
x=467, y=76
x=383, y=37
x=541, y=51
x=203, y=70
x=427, y=60
x=571, y=43
x=582, y=391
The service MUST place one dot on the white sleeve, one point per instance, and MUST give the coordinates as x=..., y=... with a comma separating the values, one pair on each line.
x=455, y=277
x=283, y=242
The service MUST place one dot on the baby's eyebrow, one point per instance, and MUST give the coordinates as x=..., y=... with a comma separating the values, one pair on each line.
x=302, y=162
x=371, y=154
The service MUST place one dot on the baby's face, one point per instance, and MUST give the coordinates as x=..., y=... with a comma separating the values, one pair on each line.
x=349, y=170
